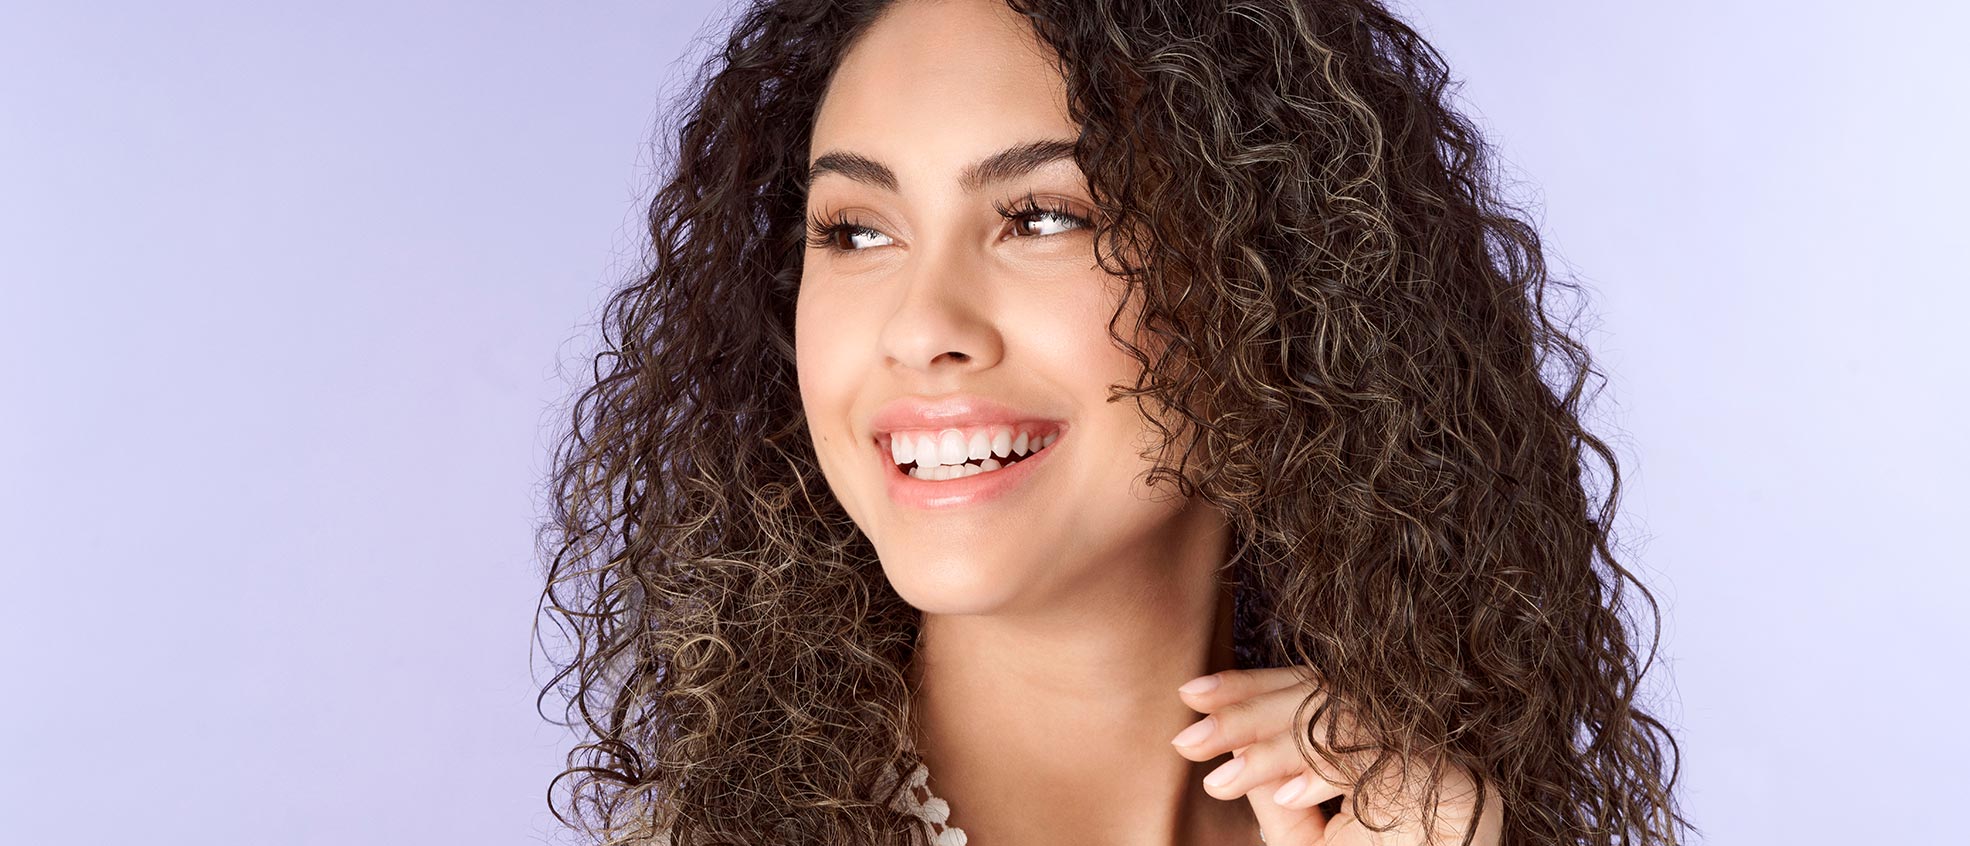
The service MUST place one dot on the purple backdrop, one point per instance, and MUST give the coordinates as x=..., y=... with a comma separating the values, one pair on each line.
x=288, y=296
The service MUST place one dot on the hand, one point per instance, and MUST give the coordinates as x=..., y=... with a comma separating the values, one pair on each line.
x=1251, y=715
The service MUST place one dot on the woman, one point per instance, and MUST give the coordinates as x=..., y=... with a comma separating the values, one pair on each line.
x=1004, y=367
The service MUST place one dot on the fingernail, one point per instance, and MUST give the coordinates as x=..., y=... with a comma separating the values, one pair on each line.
x=1223, y=775
x=1201, y=684
x=1197, y=731
x=1289, y=790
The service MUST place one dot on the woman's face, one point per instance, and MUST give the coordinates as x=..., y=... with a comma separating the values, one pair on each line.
x=932, y=318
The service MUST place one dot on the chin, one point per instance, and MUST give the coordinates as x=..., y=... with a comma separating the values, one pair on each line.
x=956, y=583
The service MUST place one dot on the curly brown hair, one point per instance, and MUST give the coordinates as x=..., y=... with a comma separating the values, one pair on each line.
x=1356, y=344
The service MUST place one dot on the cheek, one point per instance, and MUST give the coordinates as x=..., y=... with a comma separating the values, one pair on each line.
x=1092, y=362
x=817, y=351
x=831, y=355
x=1076, y=341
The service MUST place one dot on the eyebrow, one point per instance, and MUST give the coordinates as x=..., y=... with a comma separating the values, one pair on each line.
x=1010, y=163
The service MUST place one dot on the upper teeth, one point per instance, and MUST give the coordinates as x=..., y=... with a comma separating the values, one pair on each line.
x=955, y=446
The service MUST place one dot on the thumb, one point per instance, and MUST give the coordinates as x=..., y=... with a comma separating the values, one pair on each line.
x=1283, y=826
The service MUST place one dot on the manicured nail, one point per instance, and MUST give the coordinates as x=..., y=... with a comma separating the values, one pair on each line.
x=1201, y=684
x=1223, y=775
x=1197, y=731
x=1289, y=790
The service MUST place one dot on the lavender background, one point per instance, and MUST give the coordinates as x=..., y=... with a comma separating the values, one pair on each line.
x=288, y=295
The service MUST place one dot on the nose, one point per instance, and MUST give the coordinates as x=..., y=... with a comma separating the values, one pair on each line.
x=942, y=324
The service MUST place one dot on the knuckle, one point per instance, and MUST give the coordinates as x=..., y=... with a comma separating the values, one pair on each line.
x=1276, y=759
x=1232, y=685
x=1235, y=724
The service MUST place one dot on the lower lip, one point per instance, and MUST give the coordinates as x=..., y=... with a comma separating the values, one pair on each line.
x=976, y=489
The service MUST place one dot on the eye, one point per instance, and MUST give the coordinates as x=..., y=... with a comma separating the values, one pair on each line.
x=827, y=234
x=838, y=233
x=1030, y=209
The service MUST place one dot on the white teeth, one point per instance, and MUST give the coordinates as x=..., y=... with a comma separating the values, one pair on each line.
x=943, y=455
x=951, y=447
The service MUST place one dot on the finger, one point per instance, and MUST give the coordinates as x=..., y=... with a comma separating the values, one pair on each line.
x=1454, y=808
x=1235, y=685
x=1251, y=720
x=1272, y=761
x=1345, y=829
x=1305, y=790
x=1283, y=826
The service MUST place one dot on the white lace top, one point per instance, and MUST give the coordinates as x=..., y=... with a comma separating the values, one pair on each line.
x=915, y=800
x=918, y=801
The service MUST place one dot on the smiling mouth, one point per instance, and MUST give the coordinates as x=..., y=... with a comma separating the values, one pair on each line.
x=956, y=454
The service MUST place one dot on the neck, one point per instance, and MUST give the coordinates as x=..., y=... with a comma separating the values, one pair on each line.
x=1052, y=724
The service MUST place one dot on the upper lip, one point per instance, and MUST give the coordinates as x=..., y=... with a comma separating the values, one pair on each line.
x=952, y=412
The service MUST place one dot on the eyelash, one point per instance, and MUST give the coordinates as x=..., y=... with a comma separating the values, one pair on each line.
x=824, y=233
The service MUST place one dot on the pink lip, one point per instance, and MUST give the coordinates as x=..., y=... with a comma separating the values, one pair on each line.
x=953, y=412
x=913, y=492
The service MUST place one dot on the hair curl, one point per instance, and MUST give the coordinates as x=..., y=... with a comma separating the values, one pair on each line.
x=1356, y=341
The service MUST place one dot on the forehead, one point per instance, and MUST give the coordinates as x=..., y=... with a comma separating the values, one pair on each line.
x=934, y=83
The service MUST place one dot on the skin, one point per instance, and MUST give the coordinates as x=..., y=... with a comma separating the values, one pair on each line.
x=1058, y=621
x=1252, y=714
